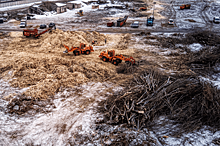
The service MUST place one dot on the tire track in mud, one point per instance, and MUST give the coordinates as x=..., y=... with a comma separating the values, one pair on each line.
x=173, y=15
x=205, y=17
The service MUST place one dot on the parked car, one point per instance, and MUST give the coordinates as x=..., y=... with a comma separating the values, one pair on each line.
x=135, y=24
x=51, y=25
x=171, y=22
x=1, y=20
x=216, y=20
x=5, y=19
x=22, y=25
x=42, y=26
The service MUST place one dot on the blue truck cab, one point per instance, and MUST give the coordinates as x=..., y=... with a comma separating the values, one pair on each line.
x=150, y=21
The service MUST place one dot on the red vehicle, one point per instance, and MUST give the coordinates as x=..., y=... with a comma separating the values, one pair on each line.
x=110, y=24
x=143, y=9
x=34, y=33
x=121, y=21
x=183, y=6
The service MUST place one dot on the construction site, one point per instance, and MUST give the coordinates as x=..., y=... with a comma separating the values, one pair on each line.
x=105, y=72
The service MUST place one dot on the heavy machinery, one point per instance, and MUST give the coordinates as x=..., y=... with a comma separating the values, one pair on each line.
x=109, y=56
x=150, y=21
x=143, y=9
x=185, y=6
x=121, y=21
x=110, y=24
x=80, y=13
x=83, y=49
x=34, y=33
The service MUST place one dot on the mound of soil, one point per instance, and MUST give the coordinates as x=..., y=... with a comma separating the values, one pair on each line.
x=40, y=64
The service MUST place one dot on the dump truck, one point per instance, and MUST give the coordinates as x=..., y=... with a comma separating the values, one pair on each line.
x=109, y=56
x=80, y=13
x=121, y=21
x=34, y=32
x=150, y=21
x=185, y=6
x=110, y=24
x=83, y=49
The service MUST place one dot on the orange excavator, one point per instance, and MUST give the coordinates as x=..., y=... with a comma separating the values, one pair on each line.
x=109, y=56
x=185, y=6
x=34, y=33
x=83, y=49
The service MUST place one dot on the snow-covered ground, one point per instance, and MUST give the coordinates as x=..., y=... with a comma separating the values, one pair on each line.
x=74, y=112
x=9, y=8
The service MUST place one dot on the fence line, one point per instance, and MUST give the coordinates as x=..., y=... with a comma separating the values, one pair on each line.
x=17, y=3
x=184, y=1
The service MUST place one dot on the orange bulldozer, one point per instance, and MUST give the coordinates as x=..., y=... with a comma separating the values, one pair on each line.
x=83, y=49
x=109, y=56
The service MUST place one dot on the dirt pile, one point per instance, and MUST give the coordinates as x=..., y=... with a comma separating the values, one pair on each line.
x=187, y=101
x=40, y=64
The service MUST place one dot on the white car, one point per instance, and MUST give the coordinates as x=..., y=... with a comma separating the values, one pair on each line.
x=135, y=24
x=22, y=24
x=171, y=22
x=216, y=20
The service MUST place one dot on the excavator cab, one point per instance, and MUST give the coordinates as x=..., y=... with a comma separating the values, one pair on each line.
x=111, y=53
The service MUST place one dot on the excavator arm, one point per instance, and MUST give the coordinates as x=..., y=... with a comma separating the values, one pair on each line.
x=67, y=49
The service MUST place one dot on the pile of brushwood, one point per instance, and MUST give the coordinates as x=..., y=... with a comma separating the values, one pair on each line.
x=205, y=38
x=205, y=60
x=188, y=101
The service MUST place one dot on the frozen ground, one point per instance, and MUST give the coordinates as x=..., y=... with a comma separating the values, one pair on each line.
x=73, y=112
x=199, y=16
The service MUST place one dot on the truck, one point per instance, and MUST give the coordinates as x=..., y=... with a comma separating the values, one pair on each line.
x=34, y=33
x=185, y=6
x=110, y=24
x=150, y=21
x=121, y=21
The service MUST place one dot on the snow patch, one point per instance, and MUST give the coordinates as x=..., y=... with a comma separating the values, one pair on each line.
x=195, y=47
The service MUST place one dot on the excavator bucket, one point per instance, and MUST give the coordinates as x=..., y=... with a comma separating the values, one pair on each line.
x=130, y=61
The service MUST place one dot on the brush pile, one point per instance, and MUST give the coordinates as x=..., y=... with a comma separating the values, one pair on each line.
x=188, y=101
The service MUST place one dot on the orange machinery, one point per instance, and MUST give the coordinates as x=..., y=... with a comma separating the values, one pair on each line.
x=110, y=56
x=143, y=9
x=83, y=49
x=110, y=24
x=34, y=33
x=121, y=21
x=183, y=6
